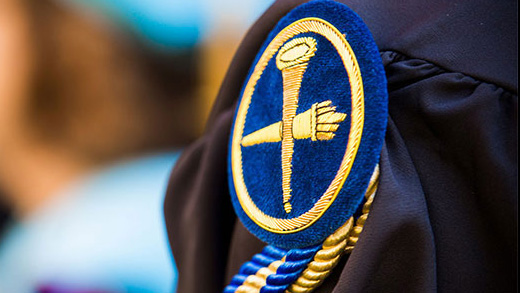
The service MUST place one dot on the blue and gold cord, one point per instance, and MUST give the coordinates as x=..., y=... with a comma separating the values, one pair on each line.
x=272, y=270
x=276, y=270
x=268, y=258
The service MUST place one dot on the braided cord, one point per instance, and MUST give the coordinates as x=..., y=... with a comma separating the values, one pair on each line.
x=296, y=261
x=276, y=270
x=340, y=242
x=252, y=275
x=272, y=270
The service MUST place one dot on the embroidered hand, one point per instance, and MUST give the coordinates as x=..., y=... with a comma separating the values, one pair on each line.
x=318, y=123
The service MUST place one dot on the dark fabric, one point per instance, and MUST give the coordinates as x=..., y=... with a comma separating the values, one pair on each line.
x=445, y=216
x=5, y=216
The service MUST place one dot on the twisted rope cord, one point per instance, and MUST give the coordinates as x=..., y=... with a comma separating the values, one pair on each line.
x=296, y=261
x=271, y=271
x=276, y=270
x=251, y=276
x=340, y=242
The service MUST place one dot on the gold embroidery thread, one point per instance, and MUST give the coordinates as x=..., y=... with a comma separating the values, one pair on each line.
x=292, y=61
x=340, y=242
x=318, y=123
x=294, y=57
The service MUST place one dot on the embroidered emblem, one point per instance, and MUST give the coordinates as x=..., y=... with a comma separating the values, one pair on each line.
x=317, y=123
x=304, y=149
x=309, y=127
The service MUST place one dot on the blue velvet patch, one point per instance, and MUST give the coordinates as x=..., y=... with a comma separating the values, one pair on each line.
x=314, y=163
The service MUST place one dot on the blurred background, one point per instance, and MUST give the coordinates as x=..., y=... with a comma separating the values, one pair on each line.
x=97, y=100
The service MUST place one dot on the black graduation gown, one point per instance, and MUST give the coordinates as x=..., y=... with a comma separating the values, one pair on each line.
x=445, y=215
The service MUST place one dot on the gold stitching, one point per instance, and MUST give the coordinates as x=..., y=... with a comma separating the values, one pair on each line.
x=340, y=242
x=301, y=222
x=320, y=118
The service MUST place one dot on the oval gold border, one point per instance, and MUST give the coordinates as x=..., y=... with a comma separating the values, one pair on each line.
x=292, y=225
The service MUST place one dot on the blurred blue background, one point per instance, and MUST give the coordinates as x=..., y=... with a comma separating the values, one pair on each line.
x=176, y=23
x=97, y=100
